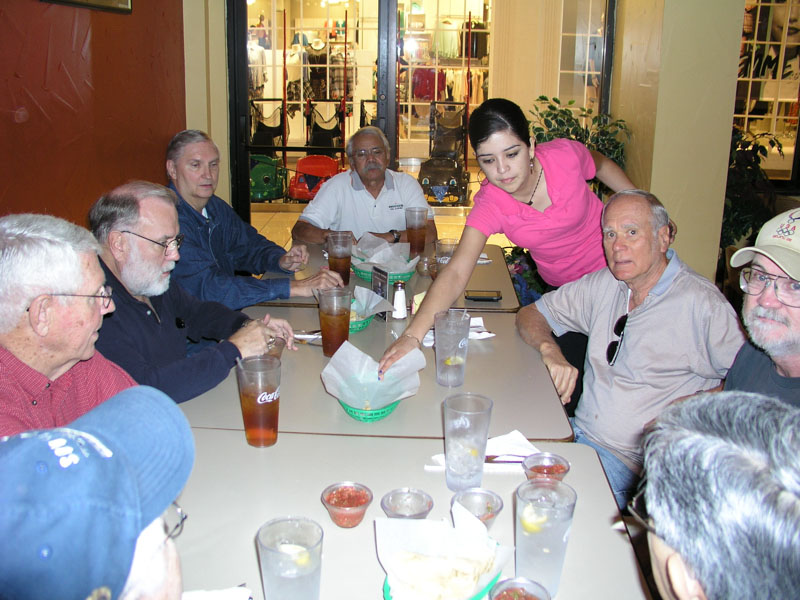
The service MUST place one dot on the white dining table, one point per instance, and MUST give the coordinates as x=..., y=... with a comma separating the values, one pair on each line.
x=491, y=276
x=502, y=367
x=234, y=488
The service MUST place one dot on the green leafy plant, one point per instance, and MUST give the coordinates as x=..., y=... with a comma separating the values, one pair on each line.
x=749, y=194
x=554, y=120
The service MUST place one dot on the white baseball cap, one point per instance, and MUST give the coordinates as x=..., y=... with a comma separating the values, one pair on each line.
x=778, y=240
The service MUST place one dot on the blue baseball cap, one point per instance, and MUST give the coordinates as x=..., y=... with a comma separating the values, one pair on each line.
x=73, y=500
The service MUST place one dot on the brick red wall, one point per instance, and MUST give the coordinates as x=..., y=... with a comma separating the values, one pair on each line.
x=88, y=100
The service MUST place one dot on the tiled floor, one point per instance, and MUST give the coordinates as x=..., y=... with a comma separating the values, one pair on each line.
x=277, y=226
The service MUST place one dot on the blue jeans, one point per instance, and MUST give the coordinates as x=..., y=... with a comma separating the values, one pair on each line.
x=622, y=480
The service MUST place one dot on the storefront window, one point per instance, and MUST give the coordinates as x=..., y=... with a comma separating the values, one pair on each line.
x=582, y=33
x=767, y=90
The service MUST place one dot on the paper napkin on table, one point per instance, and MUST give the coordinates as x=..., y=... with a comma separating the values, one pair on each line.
x=512, y=446
x=476, y=332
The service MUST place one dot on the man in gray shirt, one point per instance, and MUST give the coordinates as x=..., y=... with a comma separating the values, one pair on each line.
x=657, y=331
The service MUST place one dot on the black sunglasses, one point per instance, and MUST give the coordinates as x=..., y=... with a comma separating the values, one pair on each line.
x=613, y=348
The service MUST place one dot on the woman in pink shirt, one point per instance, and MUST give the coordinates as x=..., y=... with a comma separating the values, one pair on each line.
x=537, y=196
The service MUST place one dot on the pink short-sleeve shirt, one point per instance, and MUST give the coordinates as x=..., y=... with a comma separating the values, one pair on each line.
x=565, y=239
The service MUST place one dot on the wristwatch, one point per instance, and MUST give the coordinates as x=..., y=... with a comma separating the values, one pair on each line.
x=396, y=235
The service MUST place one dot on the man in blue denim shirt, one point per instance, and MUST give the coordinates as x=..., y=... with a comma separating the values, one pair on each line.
x=218, y=243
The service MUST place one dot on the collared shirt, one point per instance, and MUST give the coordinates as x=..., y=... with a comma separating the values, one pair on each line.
x=29, y=400
x=151, y=344
x=218, y=245
x=344, y=204
x=682, y=339
x=566, y=238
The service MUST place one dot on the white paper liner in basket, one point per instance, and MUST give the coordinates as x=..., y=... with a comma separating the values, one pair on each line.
x=352, y=377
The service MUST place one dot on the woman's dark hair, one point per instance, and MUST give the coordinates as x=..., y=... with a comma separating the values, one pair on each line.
x=497, y=114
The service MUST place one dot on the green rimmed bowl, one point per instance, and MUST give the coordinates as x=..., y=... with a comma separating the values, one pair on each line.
x=369, y=416
x=366, y=274
x=387, y=593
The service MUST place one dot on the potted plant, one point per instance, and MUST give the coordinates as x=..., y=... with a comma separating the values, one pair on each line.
x=749, y=194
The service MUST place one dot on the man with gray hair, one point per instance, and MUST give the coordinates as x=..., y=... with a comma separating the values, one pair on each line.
x=218, y=245
x=52, y=301
x=723, y=498
x=137, y=226
x=657, y=331
x=369, y=198
x=770, y=362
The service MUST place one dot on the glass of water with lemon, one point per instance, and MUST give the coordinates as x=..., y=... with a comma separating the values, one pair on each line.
x=451, y=338
x=290, y=555
x=466, y=428
x=544, y=518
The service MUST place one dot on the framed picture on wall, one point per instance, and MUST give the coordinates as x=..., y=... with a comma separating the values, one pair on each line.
x=122, y=6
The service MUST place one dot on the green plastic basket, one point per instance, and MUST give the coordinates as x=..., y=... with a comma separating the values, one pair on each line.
x=368, y=416
x=387, y=592
x=366, y=274
x=356, y=326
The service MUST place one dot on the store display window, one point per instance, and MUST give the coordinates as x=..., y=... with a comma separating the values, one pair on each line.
x=769, y=74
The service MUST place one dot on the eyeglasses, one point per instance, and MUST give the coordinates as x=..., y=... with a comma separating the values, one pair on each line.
x=376, y=152
x=638, y=510
x=104, y=295
x=173, y=244
x=787, y=290
x=174, y=518
x=613, y=348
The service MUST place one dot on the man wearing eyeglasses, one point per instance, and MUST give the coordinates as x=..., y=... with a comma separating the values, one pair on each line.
x=770, y=362
x=369, y=198
x=52, y=301
x=721, y=498
x=137, y=227
x=88, y=510
x=657, y=332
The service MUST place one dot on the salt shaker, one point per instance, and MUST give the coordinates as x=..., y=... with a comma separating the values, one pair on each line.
x=400, y=309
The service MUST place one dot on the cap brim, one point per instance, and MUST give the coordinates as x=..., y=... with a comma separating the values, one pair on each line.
x=788, y=260
x=152, y=433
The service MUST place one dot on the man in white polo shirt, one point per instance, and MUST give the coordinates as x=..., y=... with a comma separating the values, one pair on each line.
x=369, y=198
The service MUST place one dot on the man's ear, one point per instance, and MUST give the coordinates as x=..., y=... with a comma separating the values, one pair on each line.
x=117, y=243
x=663, y=238
x=172, y=171
x=681, y=580
x=40, y=314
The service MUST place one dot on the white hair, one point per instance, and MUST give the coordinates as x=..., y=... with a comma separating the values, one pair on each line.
x=723, y=490
x=150, y=566
x=39, y=254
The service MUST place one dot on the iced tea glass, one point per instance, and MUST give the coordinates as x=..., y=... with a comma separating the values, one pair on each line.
x=340, y=246
x=259, y=379
x=416, y=224
x=334, y=318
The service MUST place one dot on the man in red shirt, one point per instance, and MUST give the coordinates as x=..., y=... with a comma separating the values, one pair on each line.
x=52, y=301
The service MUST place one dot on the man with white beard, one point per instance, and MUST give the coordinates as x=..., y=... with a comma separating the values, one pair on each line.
x=137, y=227
x=770, y=362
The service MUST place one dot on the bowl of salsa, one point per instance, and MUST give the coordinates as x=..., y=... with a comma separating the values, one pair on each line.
x=482, y=503
x=518, y=589
x=346, y=502
x=545, y=465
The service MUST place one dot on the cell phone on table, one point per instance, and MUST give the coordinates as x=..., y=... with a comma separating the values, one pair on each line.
x=483, y=295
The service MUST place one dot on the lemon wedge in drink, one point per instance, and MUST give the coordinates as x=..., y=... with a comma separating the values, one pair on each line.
x=299, y=554
x=532, y=521
x=453, y=360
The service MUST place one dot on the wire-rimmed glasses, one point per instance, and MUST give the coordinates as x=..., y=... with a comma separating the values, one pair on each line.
x=172, y=244
x=614, y=347
x=753, y=282
x=104, y=294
